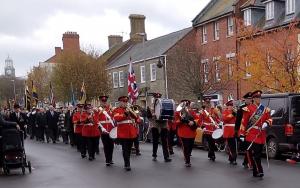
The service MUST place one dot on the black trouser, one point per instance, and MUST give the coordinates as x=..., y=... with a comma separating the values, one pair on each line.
x=171, y=137
x=108, y=146
x=78, y=139
x=136, y=144
x=232, y=144
x=211, y=146
x=164, y=141
x=187, y=146
x=65, y=136
x=53, y=133
x=1, y=153
x=255, y=153
x=34, y=132
x=41, y=133
x=126, y=149
x=72, y=138
x=83, y=145
x=91, y=144
x=244, y=146
x=97, y=144
x=23, y=129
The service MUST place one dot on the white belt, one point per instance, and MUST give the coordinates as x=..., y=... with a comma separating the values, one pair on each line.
x=88, y=124
x=255, y=127
x=229, y=125
x=208, y=123
x=124, y=122
x=103, y=122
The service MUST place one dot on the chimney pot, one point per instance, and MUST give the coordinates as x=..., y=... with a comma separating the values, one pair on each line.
x=137, y=24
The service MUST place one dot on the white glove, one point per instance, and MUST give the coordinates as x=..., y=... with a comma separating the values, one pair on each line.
x=104, y=130
x=242, y=139
x=264, y=126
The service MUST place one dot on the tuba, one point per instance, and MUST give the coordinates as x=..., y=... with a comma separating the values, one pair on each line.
x=185, y=115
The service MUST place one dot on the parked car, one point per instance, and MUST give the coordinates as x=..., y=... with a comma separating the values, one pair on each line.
x=284, y=134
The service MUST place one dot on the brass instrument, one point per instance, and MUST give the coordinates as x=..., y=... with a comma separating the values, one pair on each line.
x=132, y=110
x=185, y=115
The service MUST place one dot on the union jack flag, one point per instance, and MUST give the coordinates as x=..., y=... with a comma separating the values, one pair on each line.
x=133, y=92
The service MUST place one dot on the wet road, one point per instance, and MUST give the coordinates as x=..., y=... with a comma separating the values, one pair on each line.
x=60, y=165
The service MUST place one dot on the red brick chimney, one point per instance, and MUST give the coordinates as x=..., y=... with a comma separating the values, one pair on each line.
x=58, y=51
x=137, y=24
x=71, y=42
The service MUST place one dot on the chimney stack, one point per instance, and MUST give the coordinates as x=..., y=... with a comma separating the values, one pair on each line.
x=137, y=24
x=71, y=42
x=57, y=51
x=114, y=40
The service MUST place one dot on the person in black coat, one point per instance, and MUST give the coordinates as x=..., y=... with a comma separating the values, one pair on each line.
x=5, y=125
x=41, y=121
x=52, y=120
x=32, y=126
x=20, y=118
x=69, y=125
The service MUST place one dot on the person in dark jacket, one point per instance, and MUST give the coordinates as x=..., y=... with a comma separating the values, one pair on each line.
x=20, y=118
x=69, y=125
x=41, y=121
x=32, y=127
x=52, y=120
x=5, y=125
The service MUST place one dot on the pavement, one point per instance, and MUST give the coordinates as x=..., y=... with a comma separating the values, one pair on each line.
x=59, y=165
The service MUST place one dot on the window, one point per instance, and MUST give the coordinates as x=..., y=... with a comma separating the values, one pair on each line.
x=205, y=69
x=230, y=57
x=230, y=26
x=290, y=7
x=115, y=79
x=216, y=31
x=269, y=61
x=121, y=78
x=204, y=34
x=153, y=71
x=247, y=17
x=248, y=64
x=270, y=10
x=143, y=74
x=217, y=68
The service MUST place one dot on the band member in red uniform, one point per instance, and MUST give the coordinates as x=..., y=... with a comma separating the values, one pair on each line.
x=229, y=117
x=159, y=132
x=78, y=120
x=247, y=100
x=106, y=125
x=187, y=123
x=90, y=133
x=126, y=133
x=209, y=121
x=255, y=121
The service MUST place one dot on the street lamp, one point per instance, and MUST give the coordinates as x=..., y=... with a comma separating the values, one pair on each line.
x=162, y=62
x=14, y=89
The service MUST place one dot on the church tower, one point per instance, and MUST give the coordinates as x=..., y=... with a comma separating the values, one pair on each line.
x=9, y=69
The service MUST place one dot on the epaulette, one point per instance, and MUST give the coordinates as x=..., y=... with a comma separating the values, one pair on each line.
x=246, y=109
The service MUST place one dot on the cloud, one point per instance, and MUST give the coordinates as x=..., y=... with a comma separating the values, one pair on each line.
x=30, y=29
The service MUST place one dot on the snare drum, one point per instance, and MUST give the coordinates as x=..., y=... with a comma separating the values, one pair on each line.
x=218, y=133
x=113, y=134
x=164, y=109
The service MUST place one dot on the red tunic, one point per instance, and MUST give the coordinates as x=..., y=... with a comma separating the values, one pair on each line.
x=126, y=124
x=184, y=130
x=229, y=123
x=78, y=120
x=255, y=133
x=90, y=127
x=206, y=121
x=104, y=120
x=171, y=125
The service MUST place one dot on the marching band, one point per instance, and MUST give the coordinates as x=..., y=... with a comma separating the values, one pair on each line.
x=240, y=126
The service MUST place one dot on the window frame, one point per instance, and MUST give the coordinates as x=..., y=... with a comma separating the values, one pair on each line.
x=270, y=8
x=205, y=70
x=247, y=17
x=153, y=67
x=204, y=34
x=216, y=30
x=121, y=79
x=230, y=26
x=115, y=79
x=290, y=7
x=143, y=73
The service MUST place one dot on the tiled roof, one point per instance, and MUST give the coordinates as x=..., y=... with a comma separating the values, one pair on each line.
x=253, y=3
x=149, y=49
x=214, y=9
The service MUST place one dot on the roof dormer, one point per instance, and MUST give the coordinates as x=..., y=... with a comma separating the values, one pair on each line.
x=274, y=10
x=253, y=11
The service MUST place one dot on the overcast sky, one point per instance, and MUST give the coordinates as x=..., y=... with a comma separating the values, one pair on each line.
x=30, y=29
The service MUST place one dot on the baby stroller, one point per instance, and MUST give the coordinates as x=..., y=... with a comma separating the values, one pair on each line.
x=13, y=151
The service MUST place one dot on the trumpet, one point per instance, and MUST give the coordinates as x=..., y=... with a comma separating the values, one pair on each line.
x=132, y=110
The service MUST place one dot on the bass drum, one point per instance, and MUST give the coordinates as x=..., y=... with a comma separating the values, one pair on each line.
x=164, y=109
x=113, y=134
x=217, y=134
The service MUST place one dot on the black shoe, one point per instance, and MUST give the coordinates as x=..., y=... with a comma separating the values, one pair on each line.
x=111, y=162
x=138, y=153
x=260, y=175
x=154, y=159
x=233, y=162
x=212, y=159
x=171, y=152
x=54, y=142
x=127, y=168
x=188, y=165
x=91, y=158
x=83, y=156
x=108, y=164
x=168, y=160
